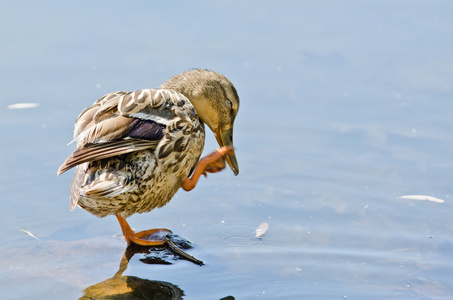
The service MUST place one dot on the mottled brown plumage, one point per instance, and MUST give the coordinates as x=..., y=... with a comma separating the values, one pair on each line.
x=136, y=149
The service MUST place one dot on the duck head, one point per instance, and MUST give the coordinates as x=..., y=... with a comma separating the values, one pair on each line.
x=216, y=101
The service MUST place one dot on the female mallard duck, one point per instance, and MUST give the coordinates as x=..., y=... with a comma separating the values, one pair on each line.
x=136, y=149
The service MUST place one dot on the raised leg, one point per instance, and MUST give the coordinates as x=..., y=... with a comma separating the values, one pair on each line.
x=139, y=238
x=211, y=163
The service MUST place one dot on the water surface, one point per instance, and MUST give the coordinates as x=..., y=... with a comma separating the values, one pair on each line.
x=344, y=108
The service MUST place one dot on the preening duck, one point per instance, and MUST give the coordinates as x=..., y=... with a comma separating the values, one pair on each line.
x=136, y=149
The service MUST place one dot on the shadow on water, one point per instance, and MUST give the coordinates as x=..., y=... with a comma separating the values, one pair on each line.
x=132, y=287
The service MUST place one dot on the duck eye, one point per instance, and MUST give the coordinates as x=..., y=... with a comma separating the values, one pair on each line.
x=229, y=103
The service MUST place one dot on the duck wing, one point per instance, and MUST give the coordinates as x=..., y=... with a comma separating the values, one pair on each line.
x=124, y=122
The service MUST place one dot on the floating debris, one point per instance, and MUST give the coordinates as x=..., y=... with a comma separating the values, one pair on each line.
x=23, y=105
x=422, y=198
x=29, y=233
x=261, y=230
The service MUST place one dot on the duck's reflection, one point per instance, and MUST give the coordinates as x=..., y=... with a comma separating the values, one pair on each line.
x=131, y=287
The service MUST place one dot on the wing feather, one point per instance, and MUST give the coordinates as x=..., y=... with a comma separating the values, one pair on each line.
x=104, y=150
x=76, y=183
x=124, y=122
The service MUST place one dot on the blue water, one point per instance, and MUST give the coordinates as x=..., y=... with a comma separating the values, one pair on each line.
x=345, y=106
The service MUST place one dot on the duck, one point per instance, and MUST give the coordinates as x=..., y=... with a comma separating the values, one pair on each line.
x=135, y=150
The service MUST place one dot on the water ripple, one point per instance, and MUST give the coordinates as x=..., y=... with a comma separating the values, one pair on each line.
x=235, y=234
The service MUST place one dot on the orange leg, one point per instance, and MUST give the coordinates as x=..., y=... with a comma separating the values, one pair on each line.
x=211, y=163
x=139, y=238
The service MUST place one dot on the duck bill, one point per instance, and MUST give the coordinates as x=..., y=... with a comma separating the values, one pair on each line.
x=225, y=138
